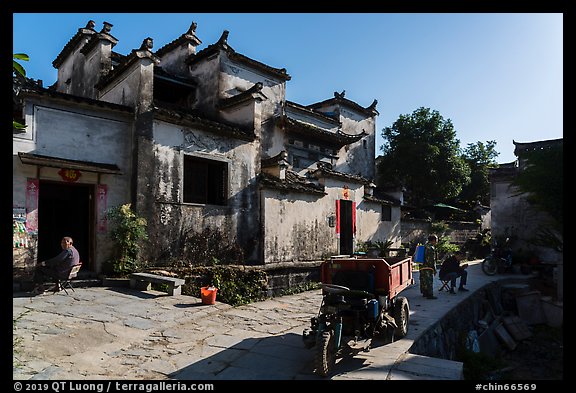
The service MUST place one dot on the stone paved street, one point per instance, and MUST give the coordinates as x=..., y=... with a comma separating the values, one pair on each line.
x=117, y=333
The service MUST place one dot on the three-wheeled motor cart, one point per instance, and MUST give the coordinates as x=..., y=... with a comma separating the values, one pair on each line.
x=360, y=302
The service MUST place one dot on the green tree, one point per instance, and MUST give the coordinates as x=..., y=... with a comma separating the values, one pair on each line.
x=20, y=73
x=480, y=157
x=542, y=181
x=421, y=154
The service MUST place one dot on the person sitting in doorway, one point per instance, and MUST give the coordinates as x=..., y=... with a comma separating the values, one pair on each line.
x=56, y=268
x=451, y=269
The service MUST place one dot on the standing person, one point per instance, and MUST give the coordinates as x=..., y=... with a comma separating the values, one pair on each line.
x=451, y=270
x=57, y=267
x=428, y=269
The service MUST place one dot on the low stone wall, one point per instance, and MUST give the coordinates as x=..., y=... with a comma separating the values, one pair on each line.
x=471, y=319
x=415, y=230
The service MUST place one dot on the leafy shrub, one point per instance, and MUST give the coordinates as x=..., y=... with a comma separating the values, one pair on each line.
x=236, y=284
x=127, y=233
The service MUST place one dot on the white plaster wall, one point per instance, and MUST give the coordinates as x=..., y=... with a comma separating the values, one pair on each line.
x=206, y=73
x=275, y=142
x=358, y=157
x=296, y=227
x=371, y=227
x=125, y=89
x=174, y=61
x=81, y=136
x=236, y=77
x=241, y=115
x=77, y=134
x=74, y=61
x=172, y=142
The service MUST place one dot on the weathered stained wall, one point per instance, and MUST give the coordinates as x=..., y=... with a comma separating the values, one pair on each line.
x=238, y=219
x=296, y=227
x=74, y=132
x=369, y=215
x=358, y=157
x=513, y=216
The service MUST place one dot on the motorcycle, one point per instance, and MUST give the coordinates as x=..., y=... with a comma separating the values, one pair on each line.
x=499, y=260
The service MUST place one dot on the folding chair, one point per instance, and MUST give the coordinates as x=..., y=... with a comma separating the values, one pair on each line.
x=67, y=283
x=445, y=285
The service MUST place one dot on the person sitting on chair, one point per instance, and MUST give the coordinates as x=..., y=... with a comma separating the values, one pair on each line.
x=451, y=270
x=56, y=268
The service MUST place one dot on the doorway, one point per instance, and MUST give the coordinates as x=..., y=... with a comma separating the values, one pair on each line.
x=65, y=210
x=346, y=216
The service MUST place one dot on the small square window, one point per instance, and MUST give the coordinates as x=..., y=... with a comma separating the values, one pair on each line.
x=386, y=213
x=205, y=181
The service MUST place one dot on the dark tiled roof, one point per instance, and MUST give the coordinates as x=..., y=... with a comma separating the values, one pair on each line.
x=179, y=115
x=189, y=36
x=89, y=29
x=160, y=72
x=292, y=183
x=521, y=147
x=222, y=44
x=323, y=171
x=503, y=171
x=339, y=100
x=242, y=97
x=57, y=162
x=320, y=115
x=384, y=198
x=310, y=131
x=378, y=200
x=123, y=66
x=271, y=161
x=31, y=87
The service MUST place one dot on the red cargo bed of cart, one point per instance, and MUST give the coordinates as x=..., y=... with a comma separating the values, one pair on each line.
x=381, y=276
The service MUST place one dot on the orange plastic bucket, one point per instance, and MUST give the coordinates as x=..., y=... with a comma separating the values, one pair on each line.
x=208, y=295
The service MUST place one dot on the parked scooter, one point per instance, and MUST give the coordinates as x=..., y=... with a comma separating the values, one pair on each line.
x=499, y=260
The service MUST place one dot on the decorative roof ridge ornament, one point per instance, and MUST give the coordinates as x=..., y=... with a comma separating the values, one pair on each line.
x=106, y=27
x=372, y=107
x=147, y=44
x=223, y=40
x=339, y=95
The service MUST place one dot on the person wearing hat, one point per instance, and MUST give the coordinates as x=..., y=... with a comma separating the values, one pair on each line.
x=428, y=268
x=451, y=269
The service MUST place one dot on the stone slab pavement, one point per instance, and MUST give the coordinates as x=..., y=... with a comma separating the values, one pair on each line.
x=112, y=333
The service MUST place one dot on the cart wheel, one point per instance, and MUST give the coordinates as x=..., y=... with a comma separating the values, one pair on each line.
x=325, y=354
x=401, y=317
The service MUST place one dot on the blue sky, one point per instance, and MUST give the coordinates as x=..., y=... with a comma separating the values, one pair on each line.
x=496, y=76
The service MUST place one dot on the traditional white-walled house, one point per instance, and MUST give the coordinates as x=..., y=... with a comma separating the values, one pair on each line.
x=193, y=140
